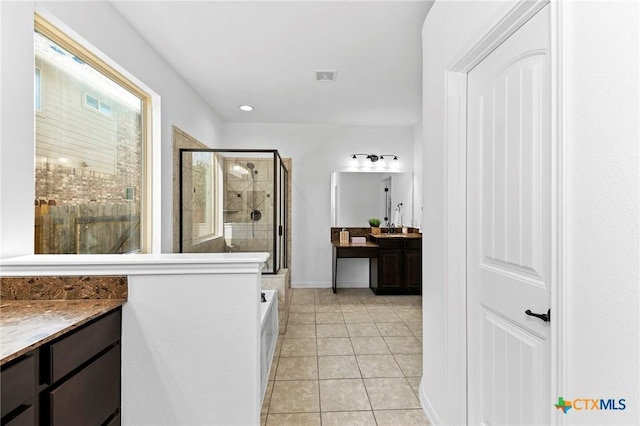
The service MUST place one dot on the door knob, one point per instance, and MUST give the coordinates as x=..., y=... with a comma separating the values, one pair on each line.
x=544, y=317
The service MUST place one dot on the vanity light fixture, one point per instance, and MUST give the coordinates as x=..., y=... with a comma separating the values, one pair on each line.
x=374, y=157
x=246, y=108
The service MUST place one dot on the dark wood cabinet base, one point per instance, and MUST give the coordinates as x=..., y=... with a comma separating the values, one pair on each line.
x=398, y=267
x=73, y=380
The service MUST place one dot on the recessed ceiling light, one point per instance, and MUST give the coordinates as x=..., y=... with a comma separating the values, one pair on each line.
x=246, y=108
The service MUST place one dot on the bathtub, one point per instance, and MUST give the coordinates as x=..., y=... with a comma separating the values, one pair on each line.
x=268, y=335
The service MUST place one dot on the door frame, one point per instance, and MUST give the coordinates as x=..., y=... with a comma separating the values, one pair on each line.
x=498, y=29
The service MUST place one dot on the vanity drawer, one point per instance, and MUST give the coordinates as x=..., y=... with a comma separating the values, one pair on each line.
x=414, y=244
x=25, y=418
x=358, y=252
x=390, y=243
x=80, y=346
x=18, y=383
x=91, y=396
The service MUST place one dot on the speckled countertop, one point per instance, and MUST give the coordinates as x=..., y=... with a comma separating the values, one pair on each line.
x=386, y=235
x=27, y=324
x=354, y=245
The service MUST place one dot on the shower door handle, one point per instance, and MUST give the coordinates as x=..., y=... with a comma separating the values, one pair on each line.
x=280, y=230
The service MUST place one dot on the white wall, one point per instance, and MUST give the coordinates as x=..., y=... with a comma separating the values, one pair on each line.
x=17, y=181
x=448, y=28
x=316, y=151
x=181, y=362
x=601, y=273
x=603, y=208
x=103, y=27
x=418, y=176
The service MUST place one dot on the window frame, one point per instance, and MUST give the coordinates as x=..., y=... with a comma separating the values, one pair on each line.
x=85, y=54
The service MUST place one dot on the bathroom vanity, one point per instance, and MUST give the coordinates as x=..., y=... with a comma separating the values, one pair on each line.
x=398, y=267
x=395, y=259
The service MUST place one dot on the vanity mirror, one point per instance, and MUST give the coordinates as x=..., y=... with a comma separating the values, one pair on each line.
x=358, y=196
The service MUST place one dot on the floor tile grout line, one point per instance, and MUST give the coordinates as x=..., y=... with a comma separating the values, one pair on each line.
x=390, y=306
x=318, y=371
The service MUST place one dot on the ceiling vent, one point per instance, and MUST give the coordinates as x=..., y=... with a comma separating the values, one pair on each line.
x=325, y=75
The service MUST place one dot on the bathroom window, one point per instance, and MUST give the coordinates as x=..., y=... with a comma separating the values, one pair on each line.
x=91, y=142
x=201, y=204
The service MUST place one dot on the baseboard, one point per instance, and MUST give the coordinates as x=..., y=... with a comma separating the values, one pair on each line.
x=310, y=285
x=353, y=285
x=428, y=409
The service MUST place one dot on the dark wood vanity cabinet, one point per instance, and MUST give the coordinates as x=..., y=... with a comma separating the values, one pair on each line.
x=72, y=380
x=398, y=267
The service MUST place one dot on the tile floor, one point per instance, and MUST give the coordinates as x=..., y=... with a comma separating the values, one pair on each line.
x=348, y=359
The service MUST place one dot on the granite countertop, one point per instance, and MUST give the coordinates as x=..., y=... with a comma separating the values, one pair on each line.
x=386, y=235
x=365, y=244
x=27, y=324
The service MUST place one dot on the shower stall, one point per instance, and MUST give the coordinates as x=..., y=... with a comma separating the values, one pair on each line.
x=234, y=201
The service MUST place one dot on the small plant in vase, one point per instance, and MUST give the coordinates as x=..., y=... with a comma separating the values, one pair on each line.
x=375, y=225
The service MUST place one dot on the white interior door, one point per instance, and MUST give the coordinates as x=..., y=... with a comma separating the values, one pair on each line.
x=508, y=230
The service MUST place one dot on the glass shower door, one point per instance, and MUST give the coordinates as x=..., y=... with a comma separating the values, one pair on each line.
x=233, y=201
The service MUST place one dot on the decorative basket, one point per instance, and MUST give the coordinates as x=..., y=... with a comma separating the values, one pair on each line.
x=344, y=236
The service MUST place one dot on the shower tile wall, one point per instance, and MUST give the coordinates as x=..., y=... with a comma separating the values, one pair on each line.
x=241, y=232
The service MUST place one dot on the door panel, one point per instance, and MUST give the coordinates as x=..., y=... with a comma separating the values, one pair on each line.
x=508, y=230
x=512, y=180
x=513, y=362
x=413, y=270
x=391, y=272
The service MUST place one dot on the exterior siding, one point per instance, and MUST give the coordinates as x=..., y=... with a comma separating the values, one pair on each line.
x=102, y=153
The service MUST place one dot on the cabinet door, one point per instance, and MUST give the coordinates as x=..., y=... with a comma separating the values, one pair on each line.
x=390, y=270
x=413, y=270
